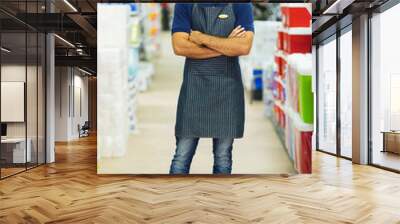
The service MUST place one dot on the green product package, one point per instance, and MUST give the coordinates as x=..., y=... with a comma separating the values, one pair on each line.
x=306, y=98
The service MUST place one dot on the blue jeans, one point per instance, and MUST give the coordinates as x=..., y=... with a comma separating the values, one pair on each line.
x=186, y=148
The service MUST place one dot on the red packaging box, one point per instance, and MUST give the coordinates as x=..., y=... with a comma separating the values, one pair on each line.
x=281, y=64
x=305, y=163
x=280, y=40
x=297, y=40
x=296, y=15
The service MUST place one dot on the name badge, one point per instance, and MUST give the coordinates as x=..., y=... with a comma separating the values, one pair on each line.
x=223, y=16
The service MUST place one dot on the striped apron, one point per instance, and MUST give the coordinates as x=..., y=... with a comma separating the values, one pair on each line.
x=211, y=100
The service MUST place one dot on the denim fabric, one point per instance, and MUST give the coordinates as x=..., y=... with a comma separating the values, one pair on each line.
x=186, y=148
x=222, y=149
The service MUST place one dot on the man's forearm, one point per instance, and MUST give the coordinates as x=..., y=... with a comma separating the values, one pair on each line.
x=191, y=50
x=228, y=46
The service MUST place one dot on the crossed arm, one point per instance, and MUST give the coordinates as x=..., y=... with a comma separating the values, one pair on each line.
x=183, y=46
x=198, y=45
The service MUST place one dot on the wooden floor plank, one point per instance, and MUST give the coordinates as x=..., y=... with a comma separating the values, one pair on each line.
x=70, y=191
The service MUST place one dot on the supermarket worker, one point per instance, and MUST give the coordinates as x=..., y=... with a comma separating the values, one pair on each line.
x=211, y=103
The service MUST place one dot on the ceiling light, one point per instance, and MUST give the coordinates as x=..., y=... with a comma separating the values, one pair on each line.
x=5, y=50
x=65, y=41
x=79, y=51
x=70, y=5
x=84, y=71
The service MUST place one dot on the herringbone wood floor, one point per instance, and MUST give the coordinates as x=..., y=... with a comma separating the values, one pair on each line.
x=69, y=191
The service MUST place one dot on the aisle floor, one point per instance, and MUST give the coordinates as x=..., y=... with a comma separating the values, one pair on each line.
x=151, y=150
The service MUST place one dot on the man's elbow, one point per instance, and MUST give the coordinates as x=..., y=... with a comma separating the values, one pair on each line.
x=178, y=50
x=244, y=50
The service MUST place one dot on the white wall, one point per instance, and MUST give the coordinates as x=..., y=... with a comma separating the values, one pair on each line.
x=70, y=83
x=62, y=82
x=17, y=73
x=12, y=73
x=79, y=117
x=34, y=126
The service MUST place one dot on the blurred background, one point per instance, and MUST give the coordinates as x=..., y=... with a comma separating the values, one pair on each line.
x=279, y=123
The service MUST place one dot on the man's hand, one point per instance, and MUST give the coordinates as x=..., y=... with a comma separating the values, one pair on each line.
x=231, y=46
x=239, y=31
x=196, y=37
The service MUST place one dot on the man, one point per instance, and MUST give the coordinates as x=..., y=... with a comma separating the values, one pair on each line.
x=211, y=103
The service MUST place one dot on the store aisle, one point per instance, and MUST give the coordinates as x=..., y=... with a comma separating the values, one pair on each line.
x=259, y=152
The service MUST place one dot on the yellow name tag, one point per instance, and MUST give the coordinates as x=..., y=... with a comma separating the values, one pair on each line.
x=223, y=16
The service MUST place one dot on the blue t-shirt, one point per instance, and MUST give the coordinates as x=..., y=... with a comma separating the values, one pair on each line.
x=183, y=16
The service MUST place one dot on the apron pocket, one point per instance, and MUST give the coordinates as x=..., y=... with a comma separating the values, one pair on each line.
x=209, y=67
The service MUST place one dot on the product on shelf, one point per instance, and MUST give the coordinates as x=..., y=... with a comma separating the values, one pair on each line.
x=280, y=41
x=298, y=141
x=133, y=66
x=151, y=24
x=299, y=80
x=257, y=84
x=297, y=40
x=306, y=96
x=281, y=63
x=268, y=97
x=305, y=165
x=295, y=36
x=134, y=23
x=296, y=15
x=291, y=85
x=280, y=114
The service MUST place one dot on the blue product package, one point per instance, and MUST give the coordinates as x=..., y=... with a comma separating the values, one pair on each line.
x=257, y=77
x=134, y=8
